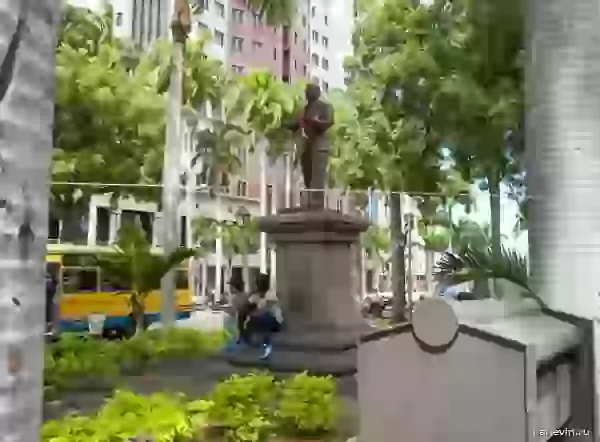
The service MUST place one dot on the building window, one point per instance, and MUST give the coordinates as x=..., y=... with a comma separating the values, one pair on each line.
x=220, y=9
x=274, y=53
x=325, y=42
x=256, y=45
x=295, y=65
x=325, y=63
x=238, y=15
x=305, y=70
x=242, y=188
x=304, y=21
x=202, y=5
x=313, y=11
x=201, y=26
x=315, y=59
x=220, y=38
x=237, y=69
x=325, y=86
x=238, y=44
x=326, y=19
x=257, y=20
x=119, y=20
x=295, y=38
x=315, y=36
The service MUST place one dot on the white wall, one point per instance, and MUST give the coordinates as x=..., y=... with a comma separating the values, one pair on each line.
x=332, y=19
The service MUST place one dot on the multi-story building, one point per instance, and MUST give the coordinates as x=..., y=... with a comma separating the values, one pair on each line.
x=244, y=42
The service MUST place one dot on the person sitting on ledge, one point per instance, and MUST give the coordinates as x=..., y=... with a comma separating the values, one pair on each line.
x=266, y=317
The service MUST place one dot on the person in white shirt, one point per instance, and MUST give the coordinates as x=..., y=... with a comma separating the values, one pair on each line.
x=266, y=319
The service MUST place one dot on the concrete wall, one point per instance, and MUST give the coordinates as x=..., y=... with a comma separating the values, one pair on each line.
x=472, y=392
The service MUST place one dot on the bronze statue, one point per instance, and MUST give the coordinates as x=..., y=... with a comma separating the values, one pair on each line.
x=317, y=118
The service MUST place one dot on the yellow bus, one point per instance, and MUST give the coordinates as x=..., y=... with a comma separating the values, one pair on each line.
x=83, y=290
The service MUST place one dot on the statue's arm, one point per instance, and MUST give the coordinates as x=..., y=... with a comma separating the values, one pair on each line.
x=326, y=118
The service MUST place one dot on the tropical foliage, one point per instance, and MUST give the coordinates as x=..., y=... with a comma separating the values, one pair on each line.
x=482, y=263
x=133, y=264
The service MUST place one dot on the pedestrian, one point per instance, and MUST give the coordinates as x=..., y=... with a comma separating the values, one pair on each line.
x=266, y=317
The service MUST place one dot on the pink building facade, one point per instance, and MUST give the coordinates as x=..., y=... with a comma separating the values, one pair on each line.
x=284, y=51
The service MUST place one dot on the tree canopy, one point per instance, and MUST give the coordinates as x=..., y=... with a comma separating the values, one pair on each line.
x=109, y=116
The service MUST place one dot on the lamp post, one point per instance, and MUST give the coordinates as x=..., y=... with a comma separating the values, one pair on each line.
x=180, y=29
x=242, y=218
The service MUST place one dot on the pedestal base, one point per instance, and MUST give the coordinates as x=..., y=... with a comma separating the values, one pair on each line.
x=317, y=289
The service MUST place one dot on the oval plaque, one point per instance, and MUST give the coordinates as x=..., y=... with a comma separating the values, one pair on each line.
x=434, y=323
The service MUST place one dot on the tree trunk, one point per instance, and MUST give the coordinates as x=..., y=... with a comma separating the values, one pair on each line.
x=495, y=220
x=398, y=263
x=429, y=265
x=138, y=313
x=246, y=272
x=171, y=191
x=27, y=45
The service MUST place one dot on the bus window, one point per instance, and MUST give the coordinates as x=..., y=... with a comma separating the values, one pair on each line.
x=181, y=280
x=112, y=286
x=77, y=280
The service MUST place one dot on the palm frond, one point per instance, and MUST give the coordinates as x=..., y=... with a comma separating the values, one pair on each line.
x=480, y=263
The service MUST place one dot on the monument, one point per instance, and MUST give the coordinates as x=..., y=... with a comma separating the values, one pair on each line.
x=315, y=264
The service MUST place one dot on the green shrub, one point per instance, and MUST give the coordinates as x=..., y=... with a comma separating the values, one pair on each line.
x=160, y=417
x=185, y=343
x=308, y=406
x=243, y=407
x=73, y=361
x=79, y=362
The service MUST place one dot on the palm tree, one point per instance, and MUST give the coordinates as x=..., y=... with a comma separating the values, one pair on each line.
x=133, y=264
x=435, y=240
x=477, y=263
x=27, y=39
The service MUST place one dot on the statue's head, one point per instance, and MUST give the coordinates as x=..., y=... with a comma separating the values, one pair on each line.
x=312, y=92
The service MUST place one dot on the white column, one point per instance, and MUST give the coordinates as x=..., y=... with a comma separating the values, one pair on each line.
x=218, y=252
x=262, y=149
x=114, y=225
x=273, y=253
x=92, y=224
x=203, y=279
x=288, y=181
x=563, y=143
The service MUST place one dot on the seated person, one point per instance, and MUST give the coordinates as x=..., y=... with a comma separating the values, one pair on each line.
x=266, y=317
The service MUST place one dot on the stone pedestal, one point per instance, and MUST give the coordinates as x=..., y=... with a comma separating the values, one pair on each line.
x=316, y=282
x=317, y=289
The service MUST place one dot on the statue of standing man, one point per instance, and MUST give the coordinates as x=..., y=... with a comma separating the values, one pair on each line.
x=315, y=121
